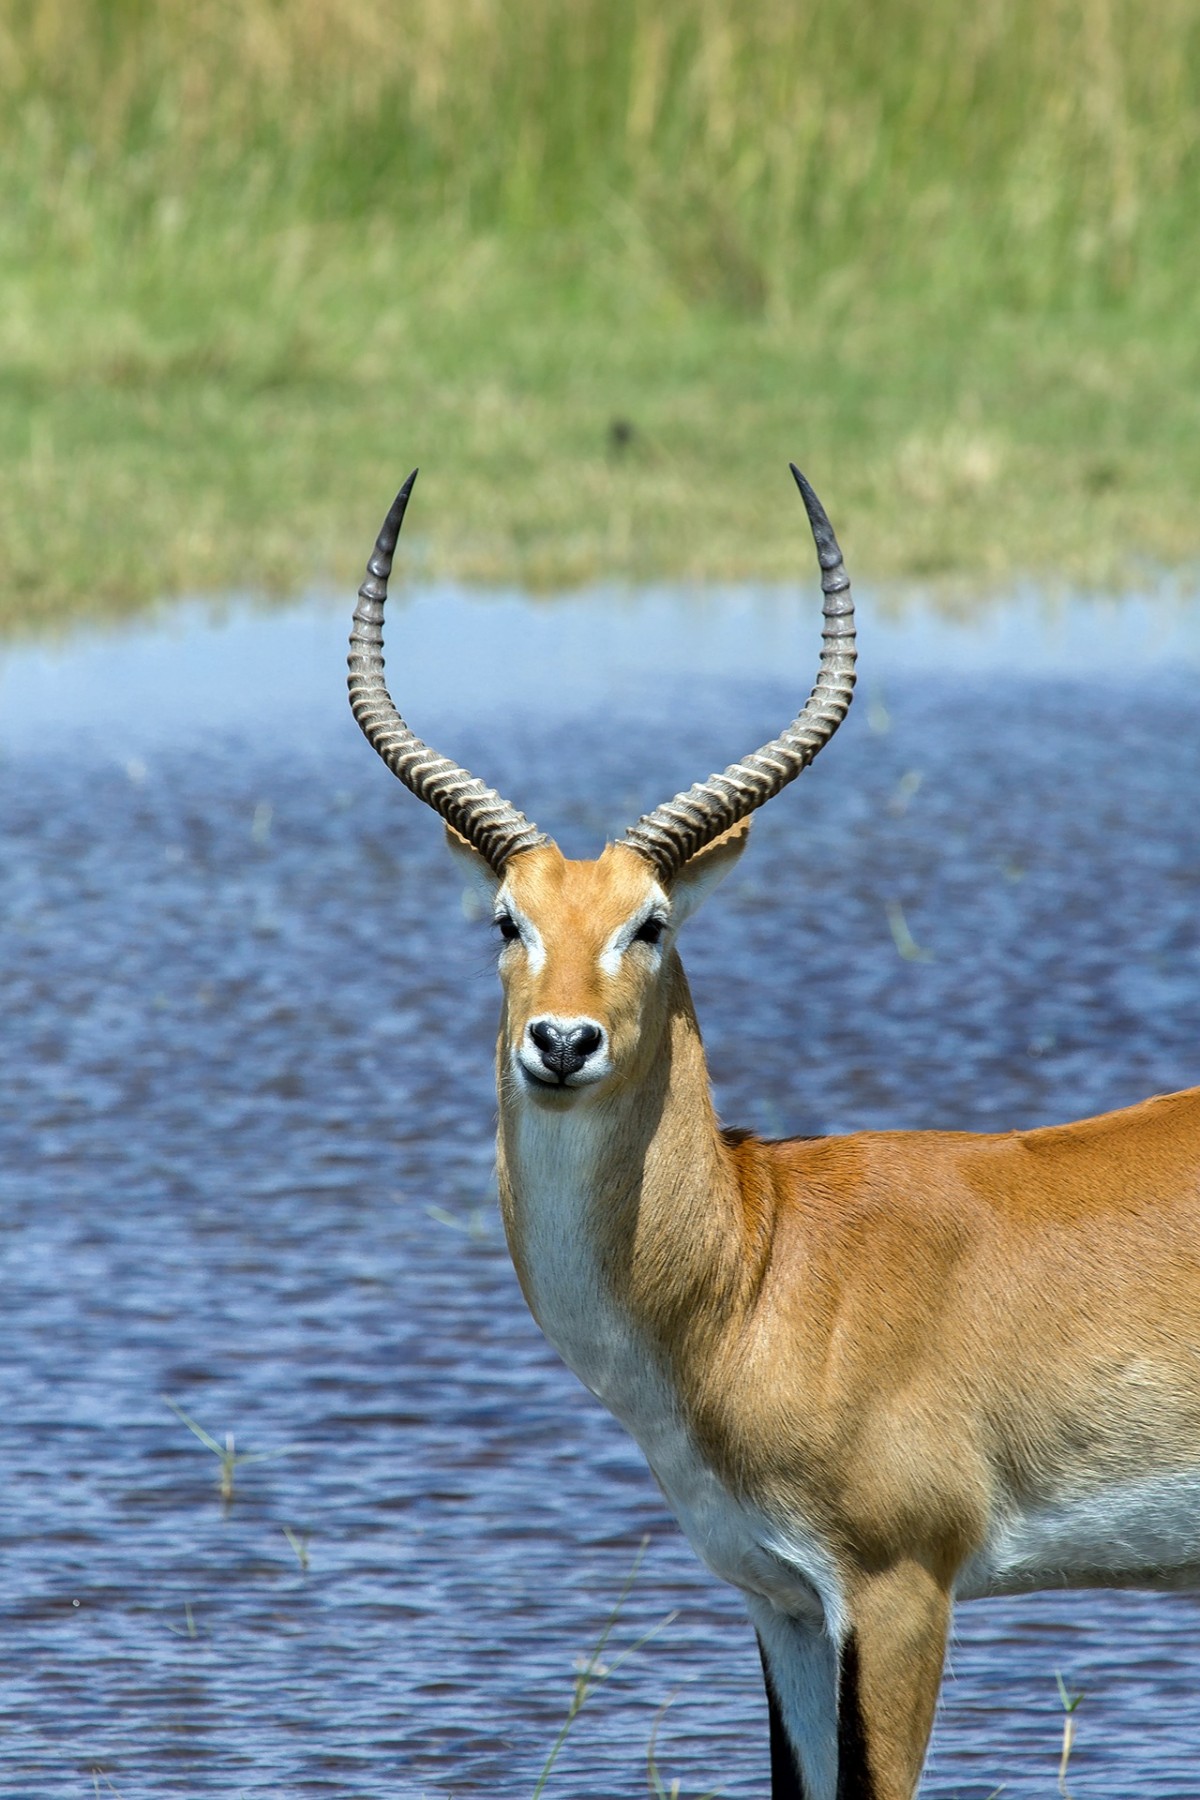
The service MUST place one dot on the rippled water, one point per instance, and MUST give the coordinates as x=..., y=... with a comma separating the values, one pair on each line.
x=245, y=1125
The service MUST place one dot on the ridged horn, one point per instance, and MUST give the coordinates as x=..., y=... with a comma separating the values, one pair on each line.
x=496, y=829
x=675, y=831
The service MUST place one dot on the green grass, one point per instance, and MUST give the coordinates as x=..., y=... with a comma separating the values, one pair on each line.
x=229, y=1458
x=256, y=261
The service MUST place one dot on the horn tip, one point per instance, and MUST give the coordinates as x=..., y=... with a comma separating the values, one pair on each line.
x=815, y=510
x=379, y=564
x=396, y=510
x=829, y=554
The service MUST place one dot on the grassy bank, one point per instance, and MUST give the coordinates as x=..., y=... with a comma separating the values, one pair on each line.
x=600, y=269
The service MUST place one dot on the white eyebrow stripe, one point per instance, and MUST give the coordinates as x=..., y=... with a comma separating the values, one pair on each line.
x=658, y=907
x=531, y=937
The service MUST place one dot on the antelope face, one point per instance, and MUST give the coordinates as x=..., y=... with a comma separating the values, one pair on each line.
x=581, y=954
x=586, y=955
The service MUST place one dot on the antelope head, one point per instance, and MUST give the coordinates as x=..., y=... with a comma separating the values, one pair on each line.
x=587, y=949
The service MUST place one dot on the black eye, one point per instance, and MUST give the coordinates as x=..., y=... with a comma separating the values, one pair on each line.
x=507, y=926
x=650, y=931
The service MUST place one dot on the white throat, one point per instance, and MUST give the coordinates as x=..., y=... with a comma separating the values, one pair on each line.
x=553, y=1158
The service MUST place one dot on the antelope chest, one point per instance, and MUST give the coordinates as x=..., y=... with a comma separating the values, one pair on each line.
x=571, y=1299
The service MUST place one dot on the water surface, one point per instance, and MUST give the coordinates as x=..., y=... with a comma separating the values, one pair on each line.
x=245, y=1147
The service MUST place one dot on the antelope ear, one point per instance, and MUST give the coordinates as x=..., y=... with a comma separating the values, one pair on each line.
x=483, y=883
x=701, y=873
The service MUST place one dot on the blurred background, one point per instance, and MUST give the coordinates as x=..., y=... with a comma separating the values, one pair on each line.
x=603, y=265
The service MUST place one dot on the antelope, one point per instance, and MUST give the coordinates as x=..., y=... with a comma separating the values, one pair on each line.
x=872, y=1374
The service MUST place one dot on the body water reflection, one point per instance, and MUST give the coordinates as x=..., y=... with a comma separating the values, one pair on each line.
x=243, y=1167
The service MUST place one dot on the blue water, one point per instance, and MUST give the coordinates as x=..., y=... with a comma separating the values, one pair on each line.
x=245, y=1157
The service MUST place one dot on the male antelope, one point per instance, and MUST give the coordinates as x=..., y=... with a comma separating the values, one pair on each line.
x=872, y=1374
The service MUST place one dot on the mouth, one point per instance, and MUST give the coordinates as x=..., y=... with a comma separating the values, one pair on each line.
x=550, y=1087
x=555, y=1088
x=554, y=1083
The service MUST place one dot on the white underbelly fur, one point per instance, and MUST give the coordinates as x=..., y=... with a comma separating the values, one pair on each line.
x=1138, y=1534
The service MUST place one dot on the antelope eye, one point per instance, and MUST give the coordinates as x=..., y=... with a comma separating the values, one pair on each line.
x=650, y=931
x=507, y=926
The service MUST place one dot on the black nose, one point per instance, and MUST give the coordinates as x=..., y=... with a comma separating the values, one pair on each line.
x=564, y=1050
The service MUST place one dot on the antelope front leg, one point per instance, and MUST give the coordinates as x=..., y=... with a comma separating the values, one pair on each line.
x=851, y=1721
x=891, y=1671
x=800, y=1670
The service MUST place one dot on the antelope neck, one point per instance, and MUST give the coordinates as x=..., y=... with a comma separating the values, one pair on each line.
x=623, y=1214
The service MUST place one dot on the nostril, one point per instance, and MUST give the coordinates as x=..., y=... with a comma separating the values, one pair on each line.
x=585, y=1040
x=547, y=1037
